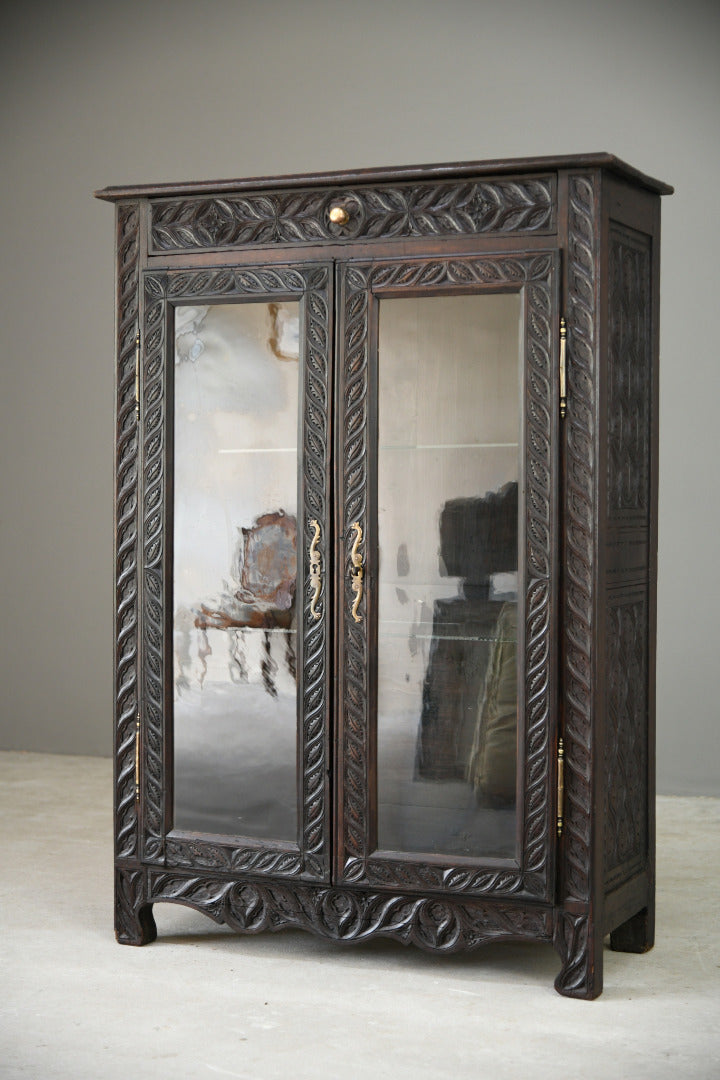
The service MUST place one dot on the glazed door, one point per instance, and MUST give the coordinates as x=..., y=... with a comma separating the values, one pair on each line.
x=240, y=704
x=447, y=579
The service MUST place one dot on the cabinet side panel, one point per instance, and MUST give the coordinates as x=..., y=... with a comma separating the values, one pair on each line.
x=629, y=378
x=626, y=752
x=627, y=516
x=126, y=533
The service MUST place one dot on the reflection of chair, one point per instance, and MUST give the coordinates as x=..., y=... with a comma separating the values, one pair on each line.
x=265, y=567
x=478, y=538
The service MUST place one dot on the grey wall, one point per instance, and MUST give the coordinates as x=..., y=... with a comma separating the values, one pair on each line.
x=153, y=90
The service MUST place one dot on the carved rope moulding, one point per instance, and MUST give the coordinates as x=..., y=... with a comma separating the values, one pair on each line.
x=154, y=398
x=126, y=629
x=572, y=930
x=579, y=549
x=292, y=217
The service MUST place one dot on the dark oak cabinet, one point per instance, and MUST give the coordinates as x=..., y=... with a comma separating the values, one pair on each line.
x=386, y=555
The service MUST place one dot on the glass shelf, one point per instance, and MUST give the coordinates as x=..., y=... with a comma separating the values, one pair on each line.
x=260, y=450
x=450, y=637
x=451, y=446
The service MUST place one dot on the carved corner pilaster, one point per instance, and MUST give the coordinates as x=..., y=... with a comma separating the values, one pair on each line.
x=581, y=974
x=134, y=922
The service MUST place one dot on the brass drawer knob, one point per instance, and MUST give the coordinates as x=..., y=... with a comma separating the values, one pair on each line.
x=339, y=215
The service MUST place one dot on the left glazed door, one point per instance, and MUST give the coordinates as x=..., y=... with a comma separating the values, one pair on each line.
x=235, y=526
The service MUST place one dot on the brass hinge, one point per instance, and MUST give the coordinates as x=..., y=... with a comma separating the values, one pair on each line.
x=560, y=786
x=563, y=368
x=137, y=756
x=137, y=375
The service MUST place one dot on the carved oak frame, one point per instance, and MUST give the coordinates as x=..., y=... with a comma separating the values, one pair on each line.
x=536, y=276
x=159, y=844
x=521, y=208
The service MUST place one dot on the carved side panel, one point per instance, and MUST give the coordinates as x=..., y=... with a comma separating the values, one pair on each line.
x=444, y=926
x=581, y=469
x=534, y=274
x=126, y=540
x=292, y=217
x=630, y=373
x=313, y=284
x=626, y=794
x=630, y=396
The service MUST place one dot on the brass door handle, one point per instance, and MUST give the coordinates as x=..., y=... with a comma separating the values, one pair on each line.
x=356, y=570
x=315, y=569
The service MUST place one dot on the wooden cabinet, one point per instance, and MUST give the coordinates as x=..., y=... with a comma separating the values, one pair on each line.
x=386, y=555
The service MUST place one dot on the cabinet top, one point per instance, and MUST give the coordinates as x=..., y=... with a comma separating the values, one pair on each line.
x=505, y=166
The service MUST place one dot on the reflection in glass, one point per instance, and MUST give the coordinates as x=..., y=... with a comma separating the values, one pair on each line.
x=448, y=473
x=235, y=569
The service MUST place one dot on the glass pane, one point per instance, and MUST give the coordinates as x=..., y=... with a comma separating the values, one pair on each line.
x=448, y=472
x=235, y=569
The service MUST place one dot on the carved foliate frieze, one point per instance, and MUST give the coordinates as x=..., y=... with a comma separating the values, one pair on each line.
x=126, y=529
x=629, y=374
x=162, y=290
x=236, y=281
x=626, y=793
x=232, y=858
x=404, y=874
x=381, y=212
x=581, y=469
x=536, y=276
x=347, y=915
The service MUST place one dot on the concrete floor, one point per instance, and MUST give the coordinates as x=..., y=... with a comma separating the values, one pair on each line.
x=201, y=1002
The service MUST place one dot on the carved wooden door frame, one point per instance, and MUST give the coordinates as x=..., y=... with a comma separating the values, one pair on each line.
x=535, y=275
x=159, y=844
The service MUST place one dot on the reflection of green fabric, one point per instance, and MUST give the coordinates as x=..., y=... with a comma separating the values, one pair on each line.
x=493, y=761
